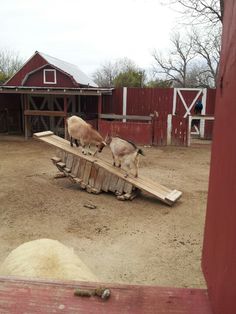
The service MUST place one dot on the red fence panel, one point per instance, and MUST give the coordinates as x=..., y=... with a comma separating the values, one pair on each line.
x=137, y=132
x=143, y=101
x=179, y=133
x=160, y=130
x=113, y=103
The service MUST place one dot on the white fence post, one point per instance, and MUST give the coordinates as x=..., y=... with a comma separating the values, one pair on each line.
x=124, y=102
x=202, y=121
x=169, y=128
x=189, y=129
x=174, y=101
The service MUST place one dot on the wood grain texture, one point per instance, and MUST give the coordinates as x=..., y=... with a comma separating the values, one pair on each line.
x=42, y=297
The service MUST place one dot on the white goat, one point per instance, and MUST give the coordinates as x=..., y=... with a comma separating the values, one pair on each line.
x=80, y=130
x=46, y=258
x=125, y=152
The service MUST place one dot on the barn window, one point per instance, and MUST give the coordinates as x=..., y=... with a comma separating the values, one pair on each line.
x=49, y=76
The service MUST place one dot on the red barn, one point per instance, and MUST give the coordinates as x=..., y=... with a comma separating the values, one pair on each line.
x=39, y=96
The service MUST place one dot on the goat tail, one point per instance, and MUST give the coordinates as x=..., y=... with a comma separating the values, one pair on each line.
x=140, y=152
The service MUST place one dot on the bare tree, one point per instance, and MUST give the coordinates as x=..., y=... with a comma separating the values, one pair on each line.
x=104, y=77
x=10, y=62
x=122, y=69
x=175, y=67
x=207, y=47
x=201, y=11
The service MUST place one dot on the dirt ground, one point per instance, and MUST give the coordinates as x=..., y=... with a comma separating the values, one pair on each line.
x=140, y=242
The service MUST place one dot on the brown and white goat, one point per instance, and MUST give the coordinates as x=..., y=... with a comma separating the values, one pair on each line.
x=80, y=130
x=124, y=152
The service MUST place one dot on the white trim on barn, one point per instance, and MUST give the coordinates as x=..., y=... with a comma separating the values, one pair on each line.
x=45, y=76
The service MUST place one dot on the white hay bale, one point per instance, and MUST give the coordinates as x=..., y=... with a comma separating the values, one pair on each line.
x=46, y=258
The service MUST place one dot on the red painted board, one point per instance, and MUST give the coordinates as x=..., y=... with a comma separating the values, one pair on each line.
x=32, y=297
x=219, y=249
x=139, y=133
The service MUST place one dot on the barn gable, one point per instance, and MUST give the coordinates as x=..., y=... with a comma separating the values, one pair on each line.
x=48, y=76
x=42, y=70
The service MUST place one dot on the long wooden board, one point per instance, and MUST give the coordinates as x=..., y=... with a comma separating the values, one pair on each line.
x=46, y=297
x=161, y=192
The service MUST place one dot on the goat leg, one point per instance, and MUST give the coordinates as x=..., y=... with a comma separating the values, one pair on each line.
x=76, y=143
x=95, y=153
x=71, y=141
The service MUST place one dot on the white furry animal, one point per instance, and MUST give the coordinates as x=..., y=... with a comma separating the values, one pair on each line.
x=46, y=258
x=80, y=130
x=125, y=152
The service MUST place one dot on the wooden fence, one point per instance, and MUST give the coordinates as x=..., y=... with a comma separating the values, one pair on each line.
x=179, y=131
x=137, y=132
x=160, y=130
x=145, y=102
x=153, y=130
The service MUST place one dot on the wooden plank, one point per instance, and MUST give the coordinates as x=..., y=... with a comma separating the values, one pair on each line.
x=46, y=297
x=81, y=168
x=69, y=161
x=44, y=113
x=67, y=170
x=87, y=170
x=128, y=187
x=173, y=196
x=61, y=164
x=120, y=186
x=63, y=156
x=121, y=117
x=42, y=134
x=106, y=181
x=55, y=159
x=113, y=182
x=99, y=179
x=93, y=175
x=75, y=167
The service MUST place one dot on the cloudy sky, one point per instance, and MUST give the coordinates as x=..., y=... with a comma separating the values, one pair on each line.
x=87, y=33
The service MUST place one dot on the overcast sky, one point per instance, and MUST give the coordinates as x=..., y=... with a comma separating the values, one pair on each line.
x=87, y=33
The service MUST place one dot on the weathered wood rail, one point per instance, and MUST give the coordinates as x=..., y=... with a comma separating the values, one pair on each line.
x=46, y=297
x=96, y=175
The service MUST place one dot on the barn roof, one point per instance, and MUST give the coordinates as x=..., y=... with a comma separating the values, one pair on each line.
x=69, y=68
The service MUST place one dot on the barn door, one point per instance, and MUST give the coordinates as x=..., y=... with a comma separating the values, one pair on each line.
x=183, y=103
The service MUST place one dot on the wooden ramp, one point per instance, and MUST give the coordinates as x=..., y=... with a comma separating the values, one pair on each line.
x=96, y=175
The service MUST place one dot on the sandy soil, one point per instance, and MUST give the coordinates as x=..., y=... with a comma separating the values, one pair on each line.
x=139, y=242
